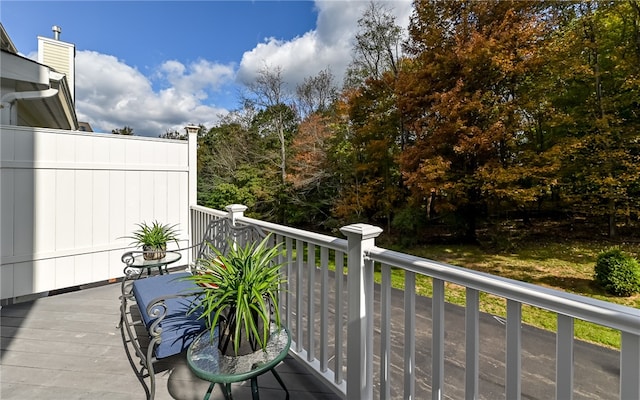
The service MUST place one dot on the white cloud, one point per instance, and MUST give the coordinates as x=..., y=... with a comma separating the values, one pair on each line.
x=329, y=45
x=300, y=58
x=111, y=94
x=202, y=75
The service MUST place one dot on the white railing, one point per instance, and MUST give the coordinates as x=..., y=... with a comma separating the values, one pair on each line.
x=568, y=307
x=333, y=324
x=317, y=342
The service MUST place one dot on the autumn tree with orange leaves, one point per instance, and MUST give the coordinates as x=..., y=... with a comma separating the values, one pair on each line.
x=463, y=94
x=492, y=110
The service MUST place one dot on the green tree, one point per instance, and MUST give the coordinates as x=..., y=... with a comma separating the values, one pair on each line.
x=274, y=112
x=127, y=130
x=231, y=169
x=376, y=188
x=275, y=127
x=371, y=185
x=275, y=122
x=598, y=81
x=376, y=48
x=175, y=135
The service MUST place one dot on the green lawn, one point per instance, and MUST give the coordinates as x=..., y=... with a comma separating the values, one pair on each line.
x=564, y=264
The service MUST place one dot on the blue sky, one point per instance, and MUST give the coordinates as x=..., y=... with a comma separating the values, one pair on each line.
x=159, y=65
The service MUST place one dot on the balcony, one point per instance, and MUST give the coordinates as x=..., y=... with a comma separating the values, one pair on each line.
x=67, y=347
x=354, y=337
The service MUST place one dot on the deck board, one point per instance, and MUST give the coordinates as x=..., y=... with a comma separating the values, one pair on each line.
x=67, y=347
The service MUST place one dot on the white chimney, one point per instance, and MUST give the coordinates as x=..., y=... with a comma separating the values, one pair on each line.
x=56, y=32
x=58, y=55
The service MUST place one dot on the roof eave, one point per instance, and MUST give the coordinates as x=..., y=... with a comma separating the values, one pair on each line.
x=25, y=75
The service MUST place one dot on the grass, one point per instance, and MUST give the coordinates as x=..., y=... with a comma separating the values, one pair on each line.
x=552, y=260
x=563, y=264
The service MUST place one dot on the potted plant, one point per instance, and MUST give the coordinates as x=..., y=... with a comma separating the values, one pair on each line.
x=240, y=295
x=153, y=238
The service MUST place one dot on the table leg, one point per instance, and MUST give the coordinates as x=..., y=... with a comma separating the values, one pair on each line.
x=226, y=391
x=208, y=394
x=275, y=373
x=254, y=389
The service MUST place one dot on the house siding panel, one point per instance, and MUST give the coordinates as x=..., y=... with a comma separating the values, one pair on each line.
x=65, y=272
x=45, y=212
x=69, y=198
x=7, y=205
x=60, y=56
x=6, y=281
x=83, y=209
x=65, y=205
x=43, y=143
x=134, y=201
x=82, y=268
x=101, y=211
x=116, y=204
x=100, y=266
x=23, y=232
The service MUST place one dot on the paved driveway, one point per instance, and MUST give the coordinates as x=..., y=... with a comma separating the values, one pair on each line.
x=596, y=368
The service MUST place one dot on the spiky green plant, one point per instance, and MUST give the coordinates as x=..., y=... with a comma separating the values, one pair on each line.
x=241, y=288
x=155, y=235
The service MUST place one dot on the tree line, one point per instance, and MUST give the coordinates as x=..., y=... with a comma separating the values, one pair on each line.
x=476, y=111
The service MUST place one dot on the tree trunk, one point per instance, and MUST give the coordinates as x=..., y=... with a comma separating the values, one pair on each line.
x=470, y=223
x=612, y=219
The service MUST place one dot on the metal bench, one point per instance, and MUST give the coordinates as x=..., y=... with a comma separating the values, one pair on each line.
x=154, y=317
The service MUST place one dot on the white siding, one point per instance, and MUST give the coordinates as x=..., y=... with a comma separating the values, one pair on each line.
x=68, y=198
x=60, y=56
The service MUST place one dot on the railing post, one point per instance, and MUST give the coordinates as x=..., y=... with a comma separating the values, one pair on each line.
x=629, y=366
x=360, y=238
x=192, y=181
x=235, y=211
x=192, y=136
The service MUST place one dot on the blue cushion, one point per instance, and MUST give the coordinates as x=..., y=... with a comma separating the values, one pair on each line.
x=178, y=328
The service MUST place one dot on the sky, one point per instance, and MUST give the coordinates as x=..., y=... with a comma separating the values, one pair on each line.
x=157, y=66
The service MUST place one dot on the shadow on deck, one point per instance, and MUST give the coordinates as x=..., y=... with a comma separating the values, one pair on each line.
x=67, y=347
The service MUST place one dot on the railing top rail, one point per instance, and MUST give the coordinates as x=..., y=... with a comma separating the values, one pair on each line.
x=310, y=237
x=294, y=233
x=206, y=210
x=604, y=313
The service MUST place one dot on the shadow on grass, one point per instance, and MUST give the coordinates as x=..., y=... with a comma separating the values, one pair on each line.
x=583, y=286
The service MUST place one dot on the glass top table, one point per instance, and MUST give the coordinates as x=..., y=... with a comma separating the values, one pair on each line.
x=208, y=363
x=136, y=263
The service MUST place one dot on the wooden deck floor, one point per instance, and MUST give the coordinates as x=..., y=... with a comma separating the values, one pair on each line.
x=67, y=347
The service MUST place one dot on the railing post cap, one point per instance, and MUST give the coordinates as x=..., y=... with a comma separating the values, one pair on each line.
x=191, y=129
x=365, y=230
x=236, y=208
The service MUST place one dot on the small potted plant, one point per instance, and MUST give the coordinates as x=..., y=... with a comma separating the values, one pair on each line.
x=153, y=238
x=240, y=295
